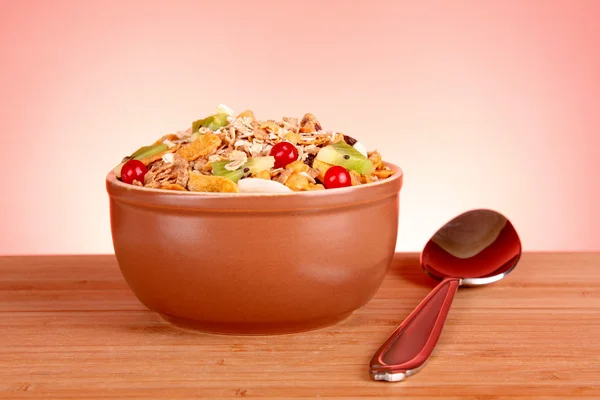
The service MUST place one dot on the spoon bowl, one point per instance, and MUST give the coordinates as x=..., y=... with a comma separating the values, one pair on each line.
x=475, y=248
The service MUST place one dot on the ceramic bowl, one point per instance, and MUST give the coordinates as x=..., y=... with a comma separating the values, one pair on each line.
x=255, y=263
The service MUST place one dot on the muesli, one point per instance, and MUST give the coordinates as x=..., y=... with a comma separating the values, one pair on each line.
x=223, y=153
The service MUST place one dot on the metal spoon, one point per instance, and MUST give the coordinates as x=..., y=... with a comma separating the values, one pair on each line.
x=475, y=248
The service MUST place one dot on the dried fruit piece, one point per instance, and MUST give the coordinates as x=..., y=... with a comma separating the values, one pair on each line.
x=201, y=147
x=350, y=140
x=210, y=183
x=214, y=122
x=265, y=174
x=133, y=170
x=284, y=153
x=148, y=151
x=252, y=166
x=298, y=166
x=255, y=185
x=247, y=114
x=322, y=168
x=346, y=156
x=297, y=182
x=150, y=159
x=223, y=109
x=337, y=177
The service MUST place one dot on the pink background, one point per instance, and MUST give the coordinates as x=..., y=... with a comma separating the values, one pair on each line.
x=482, y=103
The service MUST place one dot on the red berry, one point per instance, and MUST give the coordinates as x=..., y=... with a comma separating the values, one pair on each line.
x=133, y=170
x=337, y=177
x=284, y=153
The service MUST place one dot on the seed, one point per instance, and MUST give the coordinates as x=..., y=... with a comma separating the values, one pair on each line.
x=346, y=156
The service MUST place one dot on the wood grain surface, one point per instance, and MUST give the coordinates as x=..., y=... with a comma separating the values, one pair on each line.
x=71, y=328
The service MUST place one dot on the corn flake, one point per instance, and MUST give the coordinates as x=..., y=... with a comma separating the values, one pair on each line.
x=383, y=173
x=316, y=186
x=209, y=183
x=201, y=147
x=270, y=126
x=173, y=186
x=293, y=138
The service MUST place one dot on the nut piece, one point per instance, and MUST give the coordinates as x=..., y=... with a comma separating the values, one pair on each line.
x=309, y=124
x=291, y=124
x=284, y=175
x=375, y=157
x=210, y=183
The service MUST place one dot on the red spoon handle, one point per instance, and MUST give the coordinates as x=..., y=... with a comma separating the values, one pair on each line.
x=409, y=347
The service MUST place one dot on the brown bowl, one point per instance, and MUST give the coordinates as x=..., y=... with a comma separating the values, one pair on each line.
x=255, y=263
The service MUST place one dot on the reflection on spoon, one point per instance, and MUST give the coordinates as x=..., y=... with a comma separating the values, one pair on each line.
x=469, y=234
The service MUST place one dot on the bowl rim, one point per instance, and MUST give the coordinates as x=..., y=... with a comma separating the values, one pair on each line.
x=398, y=177
x=294, y=202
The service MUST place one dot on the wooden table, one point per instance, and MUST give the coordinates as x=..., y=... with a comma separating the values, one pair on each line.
x=71, y=328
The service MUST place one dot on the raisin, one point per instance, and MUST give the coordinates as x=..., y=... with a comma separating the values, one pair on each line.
x=309, y=160
x=349, y=140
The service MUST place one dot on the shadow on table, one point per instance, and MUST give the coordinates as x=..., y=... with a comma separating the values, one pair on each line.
x=407, y=266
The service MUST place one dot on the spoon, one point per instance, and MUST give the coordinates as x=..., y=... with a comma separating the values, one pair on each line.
x=475, y=248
